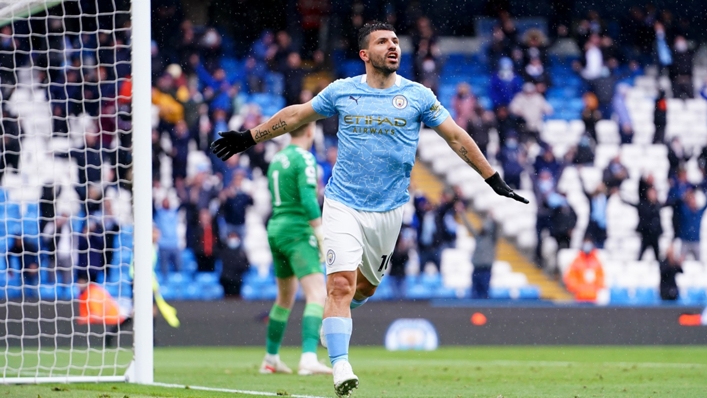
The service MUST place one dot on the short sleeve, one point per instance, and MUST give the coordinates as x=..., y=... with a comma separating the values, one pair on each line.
x=433, y=113
x=324, y=102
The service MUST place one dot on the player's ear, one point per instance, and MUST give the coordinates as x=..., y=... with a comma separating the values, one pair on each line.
x=363, y=54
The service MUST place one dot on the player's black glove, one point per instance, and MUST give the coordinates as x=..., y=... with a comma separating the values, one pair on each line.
x=501, y=188
x=231, y=143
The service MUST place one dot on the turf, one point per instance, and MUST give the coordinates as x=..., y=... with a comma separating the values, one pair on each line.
x=448, y=372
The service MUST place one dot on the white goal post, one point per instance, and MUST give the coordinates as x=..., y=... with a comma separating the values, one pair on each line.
x=76, y=252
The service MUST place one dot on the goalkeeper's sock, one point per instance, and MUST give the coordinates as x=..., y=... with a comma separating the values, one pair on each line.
x=357, y=303
x=311, y=322
x=337, y=331
x=276, y=328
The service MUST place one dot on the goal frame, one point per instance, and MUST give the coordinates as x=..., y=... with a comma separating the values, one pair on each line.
x=141, y=369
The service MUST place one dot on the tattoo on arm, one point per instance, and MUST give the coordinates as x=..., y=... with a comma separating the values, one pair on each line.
x=280, y=124
x=463, y=152
x=261, y=133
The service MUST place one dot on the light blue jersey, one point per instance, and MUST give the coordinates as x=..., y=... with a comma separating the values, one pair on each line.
x=378, y=135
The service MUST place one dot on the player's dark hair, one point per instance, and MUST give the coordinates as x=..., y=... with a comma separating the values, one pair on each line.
x=369, y=27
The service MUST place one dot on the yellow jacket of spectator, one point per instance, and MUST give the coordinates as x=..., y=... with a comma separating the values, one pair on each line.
x=171, y=110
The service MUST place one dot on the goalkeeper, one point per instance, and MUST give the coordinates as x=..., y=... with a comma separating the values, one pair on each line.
x=295, y=238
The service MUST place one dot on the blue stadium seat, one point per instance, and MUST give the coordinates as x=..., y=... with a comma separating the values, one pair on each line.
x=431, y=281
x=206, y=278
x=499, y=293
x=619, y=295
x=418, y=292
x=646, y=296
x=443, y=292
x=248, y=292
x=192, y=292
x=212, y=292
x=168, y=293
x=3, y=195
x=529, y=293
x=694, y=296
x=178, y=279
x=48, y=292
x=32, y=210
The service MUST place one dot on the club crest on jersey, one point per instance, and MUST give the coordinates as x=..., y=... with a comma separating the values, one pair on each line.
x=330, y=257
x=400, y=102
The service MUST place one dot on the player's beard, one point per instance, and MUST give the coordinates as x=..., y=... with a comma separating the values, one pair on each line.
x=381, y=64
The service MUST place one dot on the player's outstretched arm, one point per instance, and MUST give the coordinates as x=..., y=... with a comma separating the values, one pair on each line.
x=469, y=152
x=284, y=121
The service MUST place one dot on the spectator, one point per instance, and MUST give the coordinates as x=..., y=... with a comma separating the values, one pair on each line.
x=180, y=150
x=427, y=243
x=235, y=264
x=563, y=219
x=670, y=266
x=234, y=202
x=591, y=66
x=89, y=159
x=194, y=196
x=532, y=107
x=167, y=221
x=90, y=264
x=547, y=161
x=294, y=78
x=157, y=152
x=512, y=158
x=596, y=228
x=427, y=53
x=59, y=242
x=207, y=242
x=614, y=175
x=10, y=143
x=464, y=104
x=499, y=47
x=677, y=157
x=690, y=221
x=660, y=118
x=681, y=70
x=506, y=124
x=649, y=226
x=623, y=118
x=663, y=54
x=24, y=255
x=484, y=253
x=678, y=187
x=582, y=154
x=544, y=186
x=591, y=114
x=585, y=276
x=399, y=260
x=283, y=47
x=534, y=72
x=505, y=84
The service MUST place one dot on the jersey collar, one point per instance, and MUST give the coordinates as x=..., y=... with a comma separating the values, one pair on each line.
x=398, y=79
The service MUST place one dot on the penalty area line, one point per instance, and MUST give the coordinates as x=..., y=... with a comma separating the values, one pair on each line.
x=228, y=390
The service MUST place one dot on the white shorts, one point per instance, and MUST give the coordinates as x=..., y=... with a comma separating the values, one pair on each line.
x=359, y=239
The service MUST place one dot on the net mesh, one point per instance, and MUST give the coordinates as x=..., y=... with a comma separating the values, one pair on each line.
x=65, y=188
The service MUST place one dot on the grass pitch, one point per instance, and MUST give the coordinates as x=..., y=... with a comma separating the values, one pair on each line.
x=448, y=372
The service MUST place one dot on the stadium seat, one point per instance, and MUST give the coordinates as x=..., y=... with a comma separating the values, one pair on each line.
x=418, y=292
x=206, y=278
x=500, y=293
x=619, y=295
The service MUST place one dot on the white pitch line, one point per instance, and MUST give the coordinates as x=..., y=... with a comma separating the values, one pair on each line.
x=261, y=393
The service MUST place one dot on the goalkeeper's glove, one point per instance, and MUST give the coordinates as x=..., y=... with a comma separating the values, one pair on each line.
x=501, y=188
x=319, y=234
x=231, y=143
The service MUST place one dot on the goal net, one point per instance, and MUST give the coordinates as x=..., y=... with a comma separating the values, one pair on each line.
x=66, y=190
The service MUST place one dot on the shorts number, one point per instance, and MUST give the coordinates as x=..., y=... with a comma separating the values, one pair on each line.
x=385, y=259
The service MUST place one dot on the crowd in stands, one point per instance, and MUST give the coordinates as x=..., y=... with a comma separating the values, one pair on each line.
x=202, y=204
